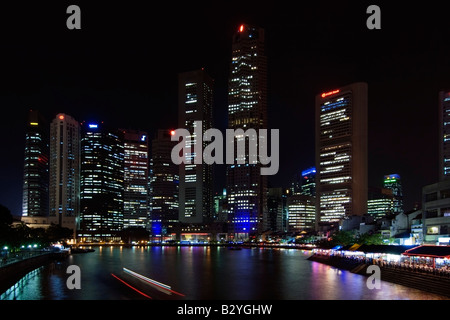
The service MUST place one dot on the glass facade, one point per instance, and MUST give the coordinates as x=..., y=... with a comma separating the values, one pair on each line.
x=136, y=179
x=277, y=214
x=36, y=167
x=102, y=183
x=196, y=180
x=64, y=191
x=379, y=208
x=380, y=202
x=164, y=184
x=394, y=183
x=444, y=135
x=308, y=186
x=301, y=213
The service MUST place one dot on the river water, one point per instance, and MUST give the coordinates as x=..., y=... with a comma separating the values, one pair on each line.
x=205, y=273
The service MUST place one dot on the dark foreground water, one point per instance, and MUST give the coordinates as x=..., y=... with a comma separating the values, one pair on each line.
x=205, y=273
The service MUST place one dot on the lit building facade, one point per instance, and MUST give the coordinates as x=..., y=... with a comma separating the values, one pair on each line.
x=195, y=103
x=136, y=179
x=444, y=135
x=102, y=183
x=393, y=182
x=220, y=207
x=341, y=153
x=35, y=200
x=308, y=187
x=301, y=213
x=164, y=183
x=64, y=184
x=380, y=203
x=436, y=213
x=247, y=109
x=436, y=197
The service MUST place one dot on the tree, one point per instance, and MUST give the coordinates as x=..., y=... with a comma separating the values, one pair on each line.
x=6, y=218
x=343, y=238
x=56, y=233
x=338, y=238
x=369, y=238
x=20, y=235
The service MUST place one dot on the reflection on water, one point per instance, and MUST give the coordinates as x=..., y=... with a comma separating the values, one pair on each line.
x=205, y=273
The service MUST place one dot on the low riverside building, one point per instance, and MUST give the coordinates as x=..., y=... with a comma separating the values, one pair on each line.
x=436, y=213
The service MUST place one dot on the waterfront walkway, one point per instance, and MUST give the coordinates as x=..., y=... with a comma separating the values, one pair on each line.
x=417, y=276
x=17, y=265
x=19, y=256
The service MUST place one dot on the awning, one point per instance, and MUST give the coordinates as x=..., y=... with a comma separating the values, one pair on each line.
x=354, y=247
x=429, y=251
x=373, y=248
x=384, y=249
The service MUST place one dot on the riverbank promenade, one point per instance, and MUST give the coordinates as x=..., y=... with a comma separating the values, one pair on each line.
x=17, y=265
x=414, y=267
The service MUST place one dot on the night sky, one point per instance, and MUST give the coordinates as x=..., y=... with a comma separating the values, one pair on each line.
x=122, y=68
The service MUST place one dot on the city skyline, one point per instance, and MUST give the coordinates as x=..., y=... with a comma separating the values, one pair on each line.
x=73, y=78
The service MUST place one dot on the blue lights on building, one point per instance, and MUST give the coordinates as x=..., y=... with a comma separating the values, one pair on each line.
x=309, y=171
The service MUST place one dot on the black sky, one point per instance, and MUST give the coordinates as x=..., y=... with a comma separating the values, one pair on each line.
x=122, y=67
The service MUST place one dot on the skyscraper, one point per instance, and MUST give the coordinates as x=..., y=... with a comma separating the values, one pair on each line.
x=394, y=183
x=444, y=135
x=102, y=186
x=164, y=185
x=195, y=103
x=308, y=186
x=341, y=152
x=36, y=167
x=247, y=109
x=64, y=190
x=136, y=179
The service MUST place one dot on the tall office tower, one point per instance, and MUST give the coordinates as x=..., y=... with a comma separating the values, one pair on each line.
x=64, y=190
x=102, y=185
x=164, y=185
x=36, y=170
x=341, y=153
x=247, y=109
x=136, y=179
x=308, y=186
x=301, y=213
x=195, y=104
x=444, y=135
x=394, y=183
